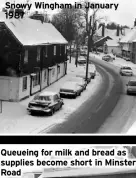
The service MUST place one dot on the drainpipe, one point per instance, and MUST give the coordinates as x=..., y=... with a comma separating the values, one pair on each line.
x=40, y=72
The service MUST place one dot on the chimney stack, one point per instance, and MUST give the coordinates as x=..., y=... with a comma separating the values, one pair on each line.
x=118, y=30
x=20, y=11
x=135, y=23
x=103, y=29
x=4, y=10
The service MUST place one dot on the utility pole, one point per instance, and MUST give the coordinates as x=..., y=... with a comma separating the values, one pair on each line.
x=87, y=60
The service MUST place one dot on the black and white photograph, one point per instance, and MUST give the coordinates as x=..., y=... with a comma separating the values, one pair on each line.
x=68, y=161
x=67, y=67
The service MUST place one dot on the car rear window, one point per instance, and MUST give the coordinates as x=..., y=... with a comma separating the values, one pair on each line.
x=132, y=83
x=128, y=68
x=42, y=98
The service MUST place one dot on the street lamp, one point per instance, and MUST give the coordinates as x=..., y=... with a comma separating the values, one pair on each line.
x=87, y=60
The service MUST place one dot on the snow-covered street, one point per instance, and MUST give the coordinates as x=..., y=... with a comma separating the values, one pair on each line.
x=15, y=119
x=130, y=127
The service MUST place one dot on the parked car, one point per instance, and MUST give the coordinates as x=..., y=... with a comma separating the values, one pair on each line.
x=108, y=57
x=70, y=89
x=47, y=102
x=112, y=56
x=126, y=58
x=83, y=52
x=119, y=55
x=92, y=70
x=131, y=87
x=83, y=75
x=125, y=70
x=81, y=82
x=81, y=61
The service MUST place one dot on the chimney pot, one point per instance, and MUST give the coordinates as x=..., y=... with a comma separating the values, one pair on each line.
x=135, y=23
x=103, y=29
x=118, y=29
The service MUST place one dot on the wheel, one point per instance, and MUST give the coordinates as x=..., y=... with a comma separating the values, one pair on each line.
x=31, y=113
x=79, y=94
x=75, y=96
x=128, y=93
x=61, y=106
x=52, y=112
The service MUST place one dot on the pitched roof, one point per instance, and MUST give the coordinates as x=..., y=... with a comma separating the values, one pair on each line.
x=33, y=32
x=101, y=41
x=131, y=35
x=112, y=33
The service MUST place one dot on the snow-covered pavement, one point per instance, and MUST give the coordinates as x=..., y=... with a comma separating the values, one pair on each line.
x=15, y=119
x=118, y=62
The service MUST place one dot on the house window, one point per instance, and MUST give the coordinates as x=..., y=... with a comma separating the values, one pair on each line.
x=38, y=54
x=45, y=51
x=45, y=76
x=60, y=50
x=53, y=72
x=24, y=83
x=36, y=79
x=54, y=50
x=26, y=56
x=58, y=69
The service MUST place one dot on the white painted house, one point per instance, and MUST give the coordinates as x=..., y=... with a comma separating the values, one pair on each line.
x=33, y=56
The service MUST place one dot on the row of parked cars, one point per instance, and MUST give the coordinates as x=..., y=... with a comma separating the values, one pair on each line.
x=49, y=102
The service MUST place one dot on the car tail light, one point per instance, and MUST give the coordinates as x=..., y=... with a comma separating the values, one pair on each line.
x=29, y=105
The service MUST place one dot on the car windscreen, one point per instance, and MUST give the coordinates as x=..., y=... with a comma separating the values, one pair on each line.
x=127, y=68
x=42, y=98
x=132, y=83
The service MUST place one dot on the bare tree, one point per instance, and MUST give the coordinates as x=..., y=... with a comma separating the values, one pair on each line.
x=67, y=21
x=91, y=19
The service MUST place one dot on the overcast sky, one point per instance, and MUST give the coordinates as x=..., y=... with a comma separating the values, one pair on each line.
x=125, y=14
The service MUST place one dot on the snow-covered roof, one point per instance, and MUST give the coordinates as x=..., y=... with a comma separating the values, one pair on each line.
x=131, y=35
x=103, y=38
x=113, y=33
x=33, y=32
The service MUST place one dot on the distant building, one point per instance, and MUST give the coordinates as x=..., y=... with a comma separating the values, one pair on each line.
x=109, y=39
x=112, y=46
x=127, y=45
